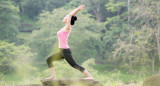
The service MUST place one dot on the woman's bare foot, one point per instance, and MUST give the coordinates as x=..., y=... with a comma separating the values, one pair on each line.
x=88, y=78
x=49, y=79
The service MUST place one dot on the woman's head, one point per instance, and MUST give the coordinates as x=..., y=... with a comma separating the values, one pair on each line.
x=73, y=19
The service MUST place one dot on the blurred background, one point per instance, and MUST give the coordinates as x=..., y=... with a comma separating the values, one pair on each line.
x=117, y=41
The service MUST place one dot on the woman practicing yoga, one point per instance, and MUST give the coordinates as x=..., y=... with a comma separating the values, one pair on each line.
x=65, y=52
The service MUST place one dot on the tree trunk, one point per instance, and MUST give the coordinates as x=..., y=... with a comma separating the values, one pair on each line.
x=130, y=64
x=153, y=62
x=158, y=34
x=130, y=60
x=128, y=13
x=158, y=22
x=153, y=59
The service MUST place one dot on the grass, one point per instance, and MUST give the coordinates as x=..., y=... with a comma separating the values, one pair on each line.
x=104, y=76
x=24, y=35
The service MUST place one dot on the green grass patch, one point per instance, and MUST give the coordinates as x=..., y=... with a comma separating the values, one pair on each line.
x=24, y=35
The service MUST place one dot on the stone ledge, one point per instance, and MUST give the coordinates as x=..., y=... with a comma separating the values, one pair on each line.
x=67, y=82
x=152, y=81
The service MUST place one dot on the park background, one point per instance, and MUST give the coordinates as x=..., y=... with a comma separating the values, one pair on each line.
x=117, y=41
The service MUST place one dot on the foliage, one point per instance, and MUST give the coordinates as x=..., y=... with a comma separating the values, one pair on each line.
x=118, y=41
x=14, y=58
x=7, y=55
x=9, y=21
x=32, y=8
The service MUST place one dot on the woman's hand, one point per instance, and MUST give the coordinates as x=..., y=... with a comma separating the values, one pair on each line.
x=81, y=7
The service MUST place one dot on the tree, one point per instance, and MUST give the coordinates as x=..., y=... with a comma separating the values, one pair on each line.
x=96, y=8
x=9, y=20
x=32, y=8
x=13, y=57
x=116, y=27
x=145, y=20
x=142, y=32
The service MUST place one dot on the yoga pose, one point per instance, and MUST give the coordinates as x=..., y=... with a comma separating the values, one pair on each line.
x=65, y=51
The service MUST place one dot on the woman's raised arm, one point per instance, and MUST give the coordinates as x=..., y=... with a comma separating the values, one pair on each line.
x=68, y=20
x=73, y=13
x=79, y=8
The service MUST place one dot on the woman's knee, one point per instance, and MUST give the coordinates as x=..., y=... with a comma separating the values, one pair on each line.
x=48, y=60
x=76, y=66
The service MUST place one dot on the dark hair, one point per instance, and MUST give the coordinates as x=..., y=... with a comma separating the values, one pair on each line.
x=73, y=19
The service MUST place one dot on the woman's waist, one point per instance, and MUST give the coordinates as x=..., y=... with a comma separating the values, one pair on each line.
x=65, y=50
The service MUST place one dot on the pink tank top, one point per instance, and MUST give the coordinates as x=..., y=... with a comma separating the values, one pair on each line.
x=63, y=38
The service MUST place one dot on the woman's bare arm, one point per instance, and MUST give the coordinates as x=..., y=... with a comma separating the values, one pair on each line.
x=73, y=13
x=79, y=8
x=68, y=20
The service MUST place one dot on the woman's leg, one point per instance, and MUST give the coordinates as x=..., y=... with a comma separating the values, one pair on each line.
x=89, y=76
x=54, y=57
x=53, y=75
x=68, y=57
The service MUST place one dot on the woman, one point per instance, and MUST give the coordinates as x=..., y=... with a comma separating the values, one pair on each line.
x=65, y=52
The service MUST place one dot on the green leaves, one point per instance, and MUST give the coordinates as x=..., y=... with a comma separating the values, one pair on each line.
x=114, y=6
x=12, y=55
x=32, y=8
x=9, y=21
